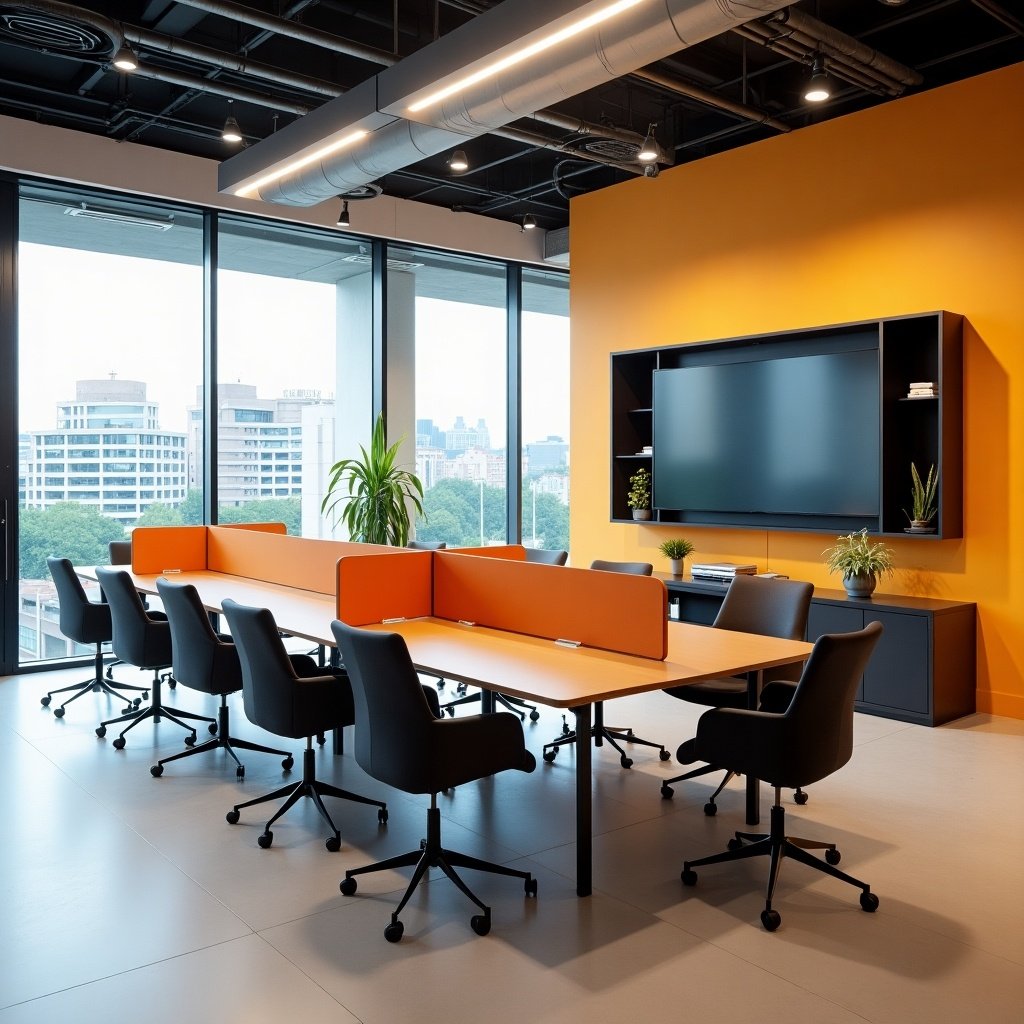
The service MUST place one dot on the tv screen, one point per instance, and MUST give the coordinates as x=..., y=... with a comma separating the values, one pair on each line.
x=797, y=435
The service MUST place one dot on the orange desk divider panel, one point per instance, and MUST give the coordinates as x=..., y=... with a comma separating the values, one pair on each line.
x=610, y=611
x=157, y=549
x=262, y=527
x=300, y=562
x=394, y=585
x=515, y=552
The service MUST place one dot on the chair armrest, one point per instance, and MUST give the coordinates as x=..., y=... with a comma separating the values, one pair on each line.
x=776, y=696
x=747, y=742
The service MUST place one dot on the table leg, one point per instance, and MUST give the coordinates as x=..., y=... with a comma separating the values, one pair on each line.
x=753, y=784
x=584, y=802
x=487, y=704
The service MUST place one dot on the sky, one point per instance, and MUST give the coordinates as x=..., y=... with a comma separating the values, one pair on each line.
x=85, y=315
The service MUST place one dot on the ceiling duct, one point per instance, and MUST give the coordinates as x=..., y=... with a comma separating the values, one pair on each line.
x=650, y=31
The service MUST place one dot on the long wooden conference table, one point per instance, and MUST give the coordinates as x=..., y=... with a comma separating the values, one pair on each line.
x=562, y=673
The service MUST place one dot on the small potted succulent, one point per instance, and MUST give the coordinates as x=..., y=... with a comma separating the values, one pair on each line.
x=676, y=549
x=859, y=562
x=639, y=498
x=923, y=500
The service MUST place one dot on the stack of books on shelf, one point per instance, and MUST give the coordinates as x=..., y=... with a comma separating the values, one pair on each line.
x=724, y=571
x=923, y=389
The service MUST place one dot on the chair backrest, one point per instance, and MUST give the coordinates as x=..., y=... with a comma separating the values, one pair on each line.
x=81, y=620
x=427, y=545
x=546, y=556
x=200, y=659
x=768, y=607
x=819, y=720
x=268, y=676
x=120, y=552
x=137, y=639
x=633, y=568
x=393, y=720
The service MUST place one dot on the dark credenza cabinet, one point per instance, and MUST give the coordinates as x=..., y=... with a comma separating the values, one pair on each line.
x=923, y=670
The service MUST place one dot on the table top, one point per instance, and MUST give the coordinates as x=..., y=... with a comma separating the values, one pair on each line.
x=544, y=671
x=533, y=668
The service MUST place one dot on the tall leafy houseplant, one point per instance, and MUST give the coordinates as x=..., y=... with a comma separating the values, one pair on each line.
x=374, y=493
x=923, y=498
x=639, y=497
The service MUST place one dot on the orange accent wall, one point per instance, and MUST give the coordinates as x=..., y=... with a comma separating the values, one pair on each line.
x=914, y=205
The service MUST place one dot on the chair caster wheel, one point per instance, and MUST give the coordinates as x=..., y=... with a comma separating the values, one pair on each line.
x=667, y=792
x=771, y=919
x=530, y=886
x=451, y=712
x=663, y=755
x=688, y=876
x=534, y=715
x=394, y=931
x=45, y=701
x=348, y=887
x=101, y=731
x=734, y=843
x=288, y=763
x=240, y=772
x=119, y=743
x=156, y=771
x=145, y=695
x=172, y=683
x=710, y=809
x=800, y=797
x=382, y=816
x=833, y=857
x=265, y=841
x=213, y=728
x=58, y=712
x=190, y=740
x=626, y=762
x=128, y=709
x=136, y=703
x=232, y=817
x=480, y=923
x=549, y=755
x=333, y=844
x=868, y=902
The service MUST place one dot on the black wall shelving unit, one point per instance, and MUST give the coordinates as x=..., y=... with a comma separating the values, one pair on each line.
x=926, y=431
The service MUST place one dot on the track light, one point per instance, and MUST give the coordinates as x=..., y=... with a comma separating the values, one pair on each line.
x=125, y=59
x=649, y=150
x=343, y=220
x=818, y=88
x=458, y=162
x=529, y=222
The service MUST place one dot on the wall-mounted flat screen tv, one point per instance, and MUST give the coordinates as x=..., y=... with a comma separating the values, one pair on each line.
x=795, y=436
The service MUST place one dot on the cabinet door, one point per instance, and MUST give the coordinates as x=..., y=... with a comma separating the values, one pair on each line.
x=898, y=674
x=830, y=618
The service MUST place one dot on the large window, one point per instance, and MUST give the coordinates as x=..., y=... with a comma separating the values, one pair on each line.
x=544, y=394
x=110, y=331
x=293, y=313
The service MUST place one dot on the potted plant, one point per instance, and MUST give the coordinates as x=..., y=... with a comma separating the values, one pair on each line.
x=376, y=494
x=676, y=549
x=860, y=562
x=923, y=500
x=639, y=498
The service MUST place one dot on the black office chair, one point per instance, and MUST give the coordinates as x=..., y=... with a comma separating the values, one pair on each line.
x=143, y=641
x=206, y=661
x=85, y=622
x=546, y=556
x=290, y=695
x=812, y=739
x=601, y=732
x=400, y=742
x=751, y=605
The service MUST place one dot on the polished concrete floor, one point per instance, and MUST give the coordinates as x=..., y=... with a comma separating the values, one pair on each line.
x=130, y=898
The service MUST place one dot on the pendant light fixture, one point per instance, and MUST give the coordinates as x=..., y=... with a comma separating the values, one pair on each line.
x=818, y=86
x=125, y=59
x=649, y=151
x=343, y=218
x=231, y=132
x=458, y=162
x=529, y=222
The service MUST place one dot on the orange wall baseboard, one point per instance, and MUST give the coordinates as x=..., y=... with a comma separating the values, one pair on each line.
x=911, y=206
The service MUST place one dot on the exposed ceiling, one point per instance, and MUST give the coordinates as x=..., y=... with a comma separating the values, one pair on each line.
x=265, y=63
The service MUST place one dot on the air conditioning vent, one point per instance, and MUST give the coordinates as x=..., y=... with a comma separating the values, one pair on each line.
x=51, y=31
x=139, y=220
x=364, y=259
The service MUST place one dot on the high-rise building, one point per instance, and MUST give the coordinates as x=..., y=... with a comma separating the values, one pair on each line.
x=107, y=451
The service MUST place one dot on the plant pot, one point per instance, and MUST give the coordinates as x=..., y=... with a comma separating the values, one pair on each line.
x=920, y=526
x=860, y=585
x=641, y=513
x=676, y=566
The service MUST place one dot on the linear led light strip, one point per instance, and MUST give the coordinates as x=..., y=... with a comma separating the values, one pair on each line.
x=309, y=158
x=518, y=56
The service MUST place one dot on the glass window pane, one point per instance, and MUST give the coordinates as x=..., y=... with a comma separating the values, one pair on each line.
x=446, y=317
x=293, y=312
x=545, y=409
x=110, y=328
